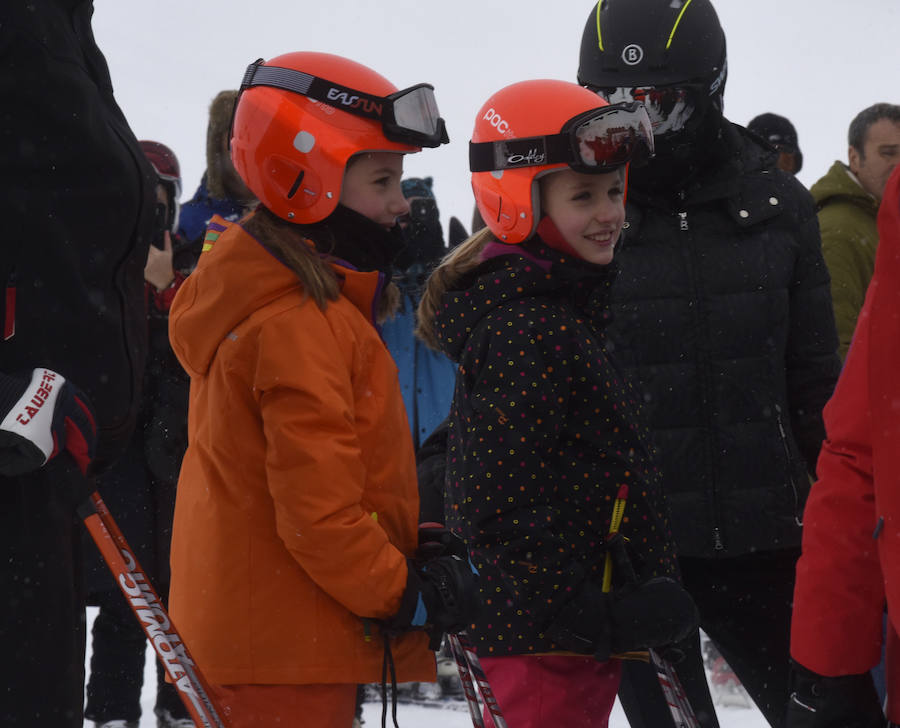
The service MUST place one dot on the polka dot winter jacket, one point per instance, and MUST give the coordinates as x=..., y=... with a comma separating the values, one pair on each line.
x=543, y=432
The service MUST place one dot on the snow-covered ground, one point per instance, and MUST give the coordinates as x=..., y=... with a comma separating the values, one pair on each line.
x=411, y=716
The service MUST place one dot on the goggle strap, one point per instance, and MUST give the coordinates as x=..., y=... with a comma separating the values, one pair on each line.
x=334, y=94
x=527, y=152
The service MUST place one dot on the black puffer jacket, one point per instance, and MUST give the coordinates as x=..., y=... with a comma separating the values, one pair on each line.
x=543, y=433
x=722, y=316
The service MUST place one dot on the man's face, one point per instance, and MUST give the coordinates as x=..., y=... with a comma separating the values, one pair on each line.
x=787, y=161
x=874, y=163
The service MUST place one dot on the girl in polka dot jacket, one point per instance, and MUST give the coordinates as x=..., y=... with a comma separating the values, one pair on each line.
x=549, y=477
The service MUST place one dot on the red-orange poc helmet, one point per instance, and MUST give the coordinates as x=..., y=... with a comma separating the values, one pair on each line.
x=301, y=116
x=530, y=128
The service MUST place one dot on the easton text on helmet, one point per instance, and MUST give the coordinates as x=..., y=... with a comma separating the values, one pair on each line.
x=354, y=102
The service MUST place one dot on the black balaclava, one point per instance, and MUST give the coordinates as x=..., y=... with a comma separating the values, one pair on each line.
x=681, y=156
x=354, y=238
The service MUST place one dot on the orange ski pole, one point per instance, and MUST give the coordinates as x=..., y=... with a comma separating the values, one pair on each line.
x=149, y=611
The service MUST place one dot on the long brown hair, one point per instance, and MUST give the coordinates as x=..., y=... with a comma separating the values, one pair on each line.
x=458, y=262
x=320, y=282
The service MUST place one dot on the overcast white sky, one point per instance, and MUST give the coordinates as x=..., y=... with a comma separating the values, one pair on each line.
x=818, y=62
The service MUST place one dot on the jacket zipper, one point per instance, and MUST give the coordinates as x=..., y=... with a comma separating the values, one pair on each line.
x=718, y=541
x=9, y=309
x=789, y=461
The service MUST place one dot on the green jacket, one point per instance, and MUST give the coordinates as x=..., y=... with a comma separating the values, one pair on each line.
x=847, y=220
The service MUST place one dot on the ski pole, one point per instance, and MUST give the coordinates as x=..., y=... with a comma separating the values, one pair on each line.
x=682, y=712
x=465, y=677
x=460, y=642
x=150, y=613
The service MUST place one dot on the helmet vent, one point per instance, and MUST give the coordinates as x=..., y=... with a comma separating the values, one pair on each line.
x=296, y=185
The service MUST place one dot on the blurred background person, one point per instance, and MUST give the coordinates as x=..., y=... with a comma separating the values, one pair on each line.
x=140, y=488
x=426, y=376
x=782, y=136
x=221, y=191
x=847, y=198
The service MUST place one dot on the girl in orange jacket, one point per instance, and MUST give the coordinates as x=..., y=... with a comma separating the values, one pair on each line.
x=297, y=503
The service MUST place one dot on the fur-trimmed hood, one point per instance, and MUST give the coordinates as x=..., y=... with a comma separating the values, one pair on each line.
x=220, y=111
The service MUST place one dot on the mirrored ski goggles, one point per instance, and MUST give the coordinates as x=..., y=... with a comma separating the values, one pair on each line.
x=409, y=116
x=669, y=107
x=597, y=141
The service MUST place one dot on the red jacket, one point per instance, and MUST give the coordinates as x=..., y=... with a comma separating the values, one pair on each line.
x=851, y=534
x=297, y=502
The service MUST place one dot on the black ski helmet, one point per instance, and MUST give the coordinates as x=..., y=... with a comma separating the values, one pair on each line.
x=631, y=43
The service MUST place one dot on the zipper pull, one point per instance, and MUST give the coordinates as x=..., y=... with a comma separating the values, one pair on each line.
x=684, y=222
x=9, y=316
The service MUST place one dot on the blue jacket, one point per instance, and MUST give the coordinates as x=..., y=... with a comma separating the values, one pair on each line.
x=426, y=377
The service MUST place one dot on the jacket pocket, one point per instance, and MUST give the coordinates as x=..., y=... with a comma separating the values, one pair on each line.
x=791, y=467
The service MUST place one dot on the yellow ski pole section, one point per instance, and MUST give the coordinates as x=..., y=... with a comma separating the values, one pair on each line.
x=615, y=522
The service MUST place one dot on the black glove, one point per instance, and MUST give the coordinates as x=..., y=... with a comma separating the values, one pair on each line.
x=436, y=540
x=653, y=613
x=848, y=701
x=441, y=596
x=41, y=418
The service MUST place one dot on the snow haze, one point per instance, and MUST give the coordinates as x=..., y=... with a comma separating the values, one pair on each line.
x=817, y=62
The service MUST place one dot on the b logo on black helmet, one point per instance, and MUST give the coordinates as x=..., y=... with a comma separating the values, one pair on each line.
x=632, y=54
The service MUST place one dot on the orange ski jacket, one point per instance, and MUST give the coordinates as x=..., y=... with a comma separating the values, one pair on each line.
x=297, y=501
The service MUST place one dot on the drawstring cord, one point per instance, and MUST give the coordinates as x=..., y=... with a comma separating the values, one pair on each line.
x=387, y=661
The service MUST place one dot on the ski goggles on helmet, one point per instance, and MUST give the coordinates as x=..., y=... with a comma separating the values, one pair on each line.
x=669, y=107
x=597, y=141
x=409, y=116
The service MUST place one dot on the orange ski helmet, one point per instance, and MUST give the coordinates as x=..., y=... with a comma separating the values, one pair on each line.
x=301, y=116
x=530, y=128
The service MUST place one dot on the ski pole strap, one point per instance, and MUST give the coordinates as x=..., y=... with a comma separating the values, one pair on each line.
x=616, y=521
x=150, y=613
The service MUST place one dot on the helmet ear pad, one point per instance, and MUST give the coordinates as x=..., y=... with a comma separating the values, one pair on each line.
x=510, y=200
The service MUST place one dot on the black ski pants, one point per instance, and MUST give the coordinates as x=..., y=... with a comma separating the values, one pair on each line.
x=745, y=607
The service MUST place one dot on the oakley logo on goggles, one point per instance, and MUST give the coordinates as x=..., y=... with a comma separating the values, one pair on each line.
x=669, y=107
x=597, y=141
x=409, y=116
